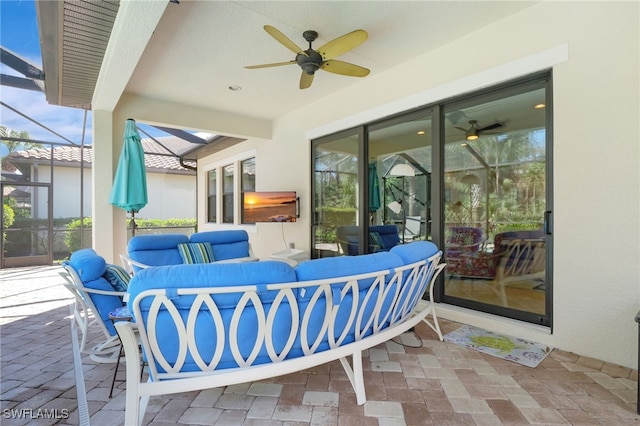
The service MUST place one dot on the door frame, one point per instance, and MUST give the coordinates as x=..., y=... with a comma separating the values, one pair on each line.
x=33, y=260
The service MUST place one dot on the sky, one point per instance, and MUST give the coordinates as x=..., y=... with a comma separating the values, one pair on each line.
x=19, y=33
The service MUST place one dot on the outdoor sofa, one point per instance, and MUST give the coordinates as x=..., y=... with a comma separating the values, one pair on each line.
x=176, y=249
x=216, y=324
x=381, y=238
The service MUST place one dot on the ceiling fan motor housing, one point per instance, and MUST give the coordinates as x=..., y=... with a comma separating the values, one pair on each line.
x=311, y=62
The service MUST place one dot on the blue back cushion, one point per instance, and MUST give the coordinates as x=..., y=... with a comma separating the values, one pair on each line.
x=388, y=234
x=231, y=244
x=156, y=250
x=415, y=251
x=335, y=267
x=90, y=267
x=214, y=275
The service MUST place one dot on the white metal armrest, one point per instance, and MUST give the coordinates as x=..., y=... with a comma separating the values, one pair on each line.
x=129, y=263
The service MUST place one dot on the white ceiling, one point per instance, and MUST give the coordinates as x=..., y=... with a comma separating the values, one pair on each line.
x=200, y=48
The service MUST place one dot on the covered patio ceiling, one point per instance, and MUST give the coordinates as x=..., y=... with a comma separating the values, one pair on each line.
x=192, y=52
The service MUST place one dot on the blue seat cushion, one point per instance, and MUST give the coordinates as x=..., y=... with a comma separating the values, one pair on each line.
x=104, y=303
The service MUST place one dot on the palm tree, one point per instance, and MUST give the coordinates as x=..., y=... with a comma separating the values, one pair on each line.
x=12, y=141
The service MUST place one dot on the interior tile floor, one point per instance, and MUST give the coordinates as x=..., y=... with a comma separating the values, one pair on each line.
x=525, y=295
x=416, y=380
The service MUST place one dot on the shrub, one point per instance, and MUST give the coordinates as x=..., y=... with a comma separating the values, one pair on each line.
x=72, y=237
x=8, y=216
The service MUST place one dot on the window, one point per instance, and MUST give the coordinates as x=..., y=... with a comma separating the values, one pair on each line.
x=248, y=183
x=227, y=194
x=224, y=179
x=212, y=216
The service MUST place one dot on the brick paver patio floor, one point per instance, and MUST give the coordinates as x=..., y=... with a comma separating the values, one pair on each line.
x=436, y=383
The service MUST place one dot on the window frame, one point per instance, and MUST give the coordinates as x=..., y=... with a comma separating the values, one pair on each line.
x=219, y=167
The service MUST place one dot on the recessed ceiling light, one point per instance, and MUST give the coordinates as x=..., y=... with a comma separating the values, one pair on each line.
x=235, y=88
x=539, y=106
x=421, y=132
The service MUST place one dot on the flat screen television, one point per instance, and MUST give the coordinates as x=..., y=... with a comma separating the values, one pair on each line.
x=271, y=206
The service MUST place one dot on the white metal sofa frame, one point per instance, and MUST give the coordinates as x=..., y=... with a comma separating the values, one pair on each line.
x=408, y=309
x=85, y=315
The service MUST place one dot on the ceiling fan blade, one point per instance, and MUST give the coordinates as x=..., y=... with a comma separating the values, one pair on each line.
x=491, y=127
x=283, y=39
x=344, y=68
x=305, y=80
x=276, y=64
x=342, y=44
x=461, y=128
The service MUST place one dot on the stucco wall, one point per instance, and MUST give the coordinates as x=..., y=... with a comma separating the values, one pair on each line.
x=593, y=48
x=171, y=196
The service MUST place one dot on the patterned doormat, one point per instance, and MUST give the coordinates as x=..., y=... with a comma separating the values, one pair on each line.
x=506, y=347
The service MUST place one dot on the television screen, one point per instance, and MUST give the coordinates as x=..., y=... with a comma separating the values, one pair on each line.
x=274, y=206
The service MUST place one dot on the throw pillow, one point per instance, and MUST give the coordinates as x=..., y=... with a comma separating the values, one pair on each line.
x=196, y=252
x=376, y=240
x=117, y=277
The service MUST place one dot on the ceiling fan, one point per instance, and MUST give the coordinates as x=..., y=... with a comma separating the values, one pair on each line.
x=473, y=132
x=312, y=60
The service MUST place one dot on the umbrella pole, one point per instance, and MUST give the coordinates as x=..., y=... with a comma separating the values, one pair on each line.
x=133, y=223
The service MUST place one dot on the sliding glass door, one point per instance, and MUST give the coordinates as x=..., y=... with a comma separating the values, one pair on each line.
x=399, y=153
x=495, y=201
x=471, y=174
x=336, y=194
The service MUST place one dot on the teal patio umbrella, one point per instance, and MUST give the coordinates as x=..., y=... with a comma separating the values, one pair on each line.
x=374, y=188
x=129, y=191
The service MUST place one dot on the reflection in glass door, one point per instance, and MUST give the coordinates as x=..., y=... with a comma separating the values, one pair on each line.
x=495, y=202
x=336, y=203
x=400, y=156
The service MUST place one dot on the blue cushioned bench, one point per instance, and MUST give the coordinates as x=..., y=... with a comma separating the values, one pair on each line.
x=210, y=325
x=176, y=249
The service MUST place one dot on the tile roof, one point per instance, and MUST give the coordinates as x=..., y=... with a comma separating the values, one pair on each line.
x=159, y=155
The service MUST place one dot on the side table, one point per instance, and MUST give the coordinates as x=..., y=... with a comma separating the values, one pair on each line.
x=119, y=314
x=291, y=256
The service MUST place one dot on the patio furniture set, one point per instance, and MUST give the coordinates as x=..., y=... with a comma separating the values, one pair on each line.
x=202, y=324
x=513, y=254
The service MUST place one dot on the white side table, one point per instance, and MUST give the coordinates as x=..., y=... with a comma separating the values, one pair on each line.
x=291, y=256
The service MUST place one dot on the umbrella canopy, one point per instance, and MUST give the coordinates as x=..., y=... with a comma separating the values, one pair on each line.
x=374, y=188
x=129, y=191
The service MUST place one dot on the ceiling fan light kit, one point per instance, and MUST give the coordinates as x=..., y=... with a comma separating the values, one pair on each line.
x=473, y=132
x=312, y=60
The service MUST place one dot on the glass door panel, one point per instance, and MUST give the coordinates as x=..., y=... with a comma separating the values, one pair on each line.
x=336, y=228
x=400, y=158
x=27, y=229
x=495, y=202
